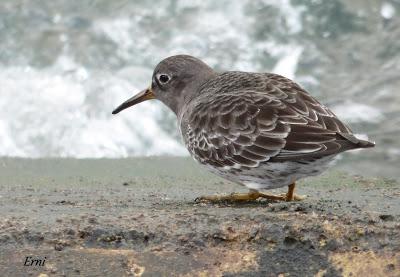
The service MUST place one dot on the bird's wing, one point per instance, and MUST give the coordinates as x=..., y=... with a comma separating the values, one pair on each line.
x=274, y=120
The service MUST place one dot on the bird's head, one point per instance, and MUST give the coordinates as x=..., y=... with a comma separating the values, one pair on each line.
x=175, y=81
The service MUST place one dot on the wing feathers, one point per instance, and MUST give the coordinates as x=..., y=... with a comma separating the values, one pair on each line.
x=247, y=118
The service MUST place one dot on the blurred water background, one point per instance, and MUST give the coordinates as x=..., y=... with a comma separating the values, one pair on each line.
x=64, y=66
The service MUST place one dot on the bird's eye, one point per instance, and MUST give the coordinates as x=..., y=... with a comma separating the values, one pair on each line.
x=163, y=78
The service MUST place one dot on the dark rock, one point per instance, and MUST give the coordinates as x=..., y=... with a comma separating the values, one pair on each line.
x=386, y=217
x=390, y=267
x=58, y=247
x=289, y=240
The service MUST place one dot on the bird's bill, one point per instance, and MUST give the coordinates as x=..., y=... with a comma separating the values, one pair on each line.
x=144, y=95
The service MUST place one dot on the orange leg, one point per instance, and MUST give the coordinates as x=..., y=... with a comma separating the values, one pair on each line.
x=290, y=193
x=252, y=195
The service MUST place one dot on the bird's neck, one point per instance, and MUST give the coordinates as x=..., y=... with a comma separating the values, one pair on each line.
x=191, y=90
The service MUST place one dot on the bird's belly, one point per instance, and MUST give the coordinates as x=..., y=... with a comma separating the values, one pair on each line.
x=270, y=175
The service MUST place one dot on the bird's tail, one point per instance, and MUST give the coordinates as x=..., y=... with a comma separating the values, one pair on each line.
x=365, y=144
x=359, y=143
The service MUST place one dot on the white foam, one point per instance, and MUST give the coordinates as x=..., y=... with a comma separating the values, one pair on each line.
x=291, y=14
x=287, y=65
x=387, y=10
x=119, y=31
x=352, y=112
x=65, y=109
x=43, y=113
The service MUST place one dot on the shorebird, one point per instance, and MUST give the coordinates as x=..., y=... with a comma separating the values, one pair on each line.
x=260, y=130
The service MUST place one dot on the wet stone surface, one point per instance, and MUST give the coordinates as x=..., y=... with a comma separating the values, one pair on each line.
x=118, y=217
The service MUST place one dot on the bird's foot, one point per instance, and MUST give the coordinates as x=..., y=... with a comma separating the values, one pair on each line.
x=247, y=197
x=289, y=198
x=252, y=195
x=233, y=197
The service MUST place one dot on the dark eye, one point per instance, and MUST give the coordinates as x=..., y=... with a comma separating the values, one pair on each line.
x=163, y=78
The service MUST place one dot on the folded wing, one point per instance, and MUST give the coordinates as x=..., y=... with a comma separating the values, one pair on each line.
x=270, y=118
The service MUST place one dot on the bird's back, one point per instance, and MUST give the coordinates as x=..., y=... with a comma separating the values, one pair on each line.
x=240, y=119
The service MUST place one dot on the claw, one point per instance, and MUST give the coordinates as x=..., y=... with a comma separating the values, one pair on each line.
x=252, y=195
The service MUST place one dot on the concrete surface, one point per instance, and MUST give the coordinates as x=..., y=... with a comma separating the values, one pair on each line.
x=137, y=217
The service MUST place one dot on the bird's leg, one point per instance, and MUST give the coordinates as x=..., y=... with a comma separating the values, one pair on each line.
x=252, y=195
x=290, y=193
x=290, y=196
x=233, y=197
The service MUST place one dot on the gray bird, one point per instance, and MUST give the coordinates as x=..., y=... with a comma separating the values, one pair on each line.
x=260, y=130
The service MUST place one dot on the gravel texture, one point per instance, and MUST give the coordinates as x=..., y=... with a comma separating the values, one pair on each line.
x=137, y=217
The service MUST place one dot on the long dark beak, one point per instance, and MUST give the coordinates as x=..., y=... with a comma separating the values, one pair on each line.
x=144, y=95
